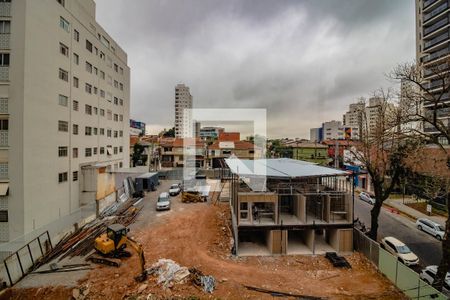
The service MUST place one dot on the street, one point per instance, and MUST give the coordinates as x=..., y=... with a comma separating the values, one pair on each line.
x=426, y=247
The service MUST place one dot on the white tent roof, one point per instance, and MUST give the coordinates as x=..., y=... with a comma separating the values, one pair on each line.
x=280, y=167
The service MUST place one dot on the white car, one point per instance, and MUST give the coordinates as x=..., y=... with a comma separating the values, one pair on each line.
x=399, y=249
x=367, y=198
x=433, y=228
x=428, y=275
x=163, y=202
x=174, y=189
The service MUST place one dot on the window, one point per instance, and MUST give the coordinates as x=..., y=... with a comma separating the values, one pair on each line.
x=88, y=152
x=108, y=133
x=4, y=124
x=62, y=177
x=102, y=93
x=75, y=152
x=102, y=56
x=116, y=101
x=116, y=117
x=75, y=82
x=63, y=49
x=88, y=130
x=96, y=50
x=95, y=90
x=121, y=86
x=116, y=84
x=62, y=151
x=95, y=71
x=64, y=24
x=116, y=68
x=76, y=59
x=94, y=130
x=4, y=59
x=102, y=150
x=109, y=115
x=88, y=67
x=120, y=149
x=63, y=100
x=121, y=102
x=102, y=75
x=120, y=133
x=88, y=88
x=115, y=150
x=62, y=2
x=74, y=175
x=75, y=105
x=95, y=150
x=121, y=118
x=63, y=75
x=88, y=109
x=120, y=164
x=75, y=129
x=102, y=112
x=89, y=46
x=63, y=126
x=76, y=35
x=95, y=110
x=116, y=133
x=3, y=216
x=5, y=27
x=102, y=131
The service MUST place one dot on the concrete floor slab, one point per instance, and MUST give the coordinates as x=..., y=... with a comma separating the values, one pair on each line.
x=252, y=249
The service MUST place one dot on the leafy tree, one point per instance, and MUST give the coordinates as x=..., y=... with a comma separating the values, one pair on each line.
x=169, y=133
x=138, y=151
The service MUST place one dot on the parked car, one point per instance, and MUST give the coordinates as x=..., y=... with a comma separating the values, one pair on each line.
x=428, y=275
x=174, y=189
x=367, y=198
x=163, y=202
x=433, y=228
x=399, y=249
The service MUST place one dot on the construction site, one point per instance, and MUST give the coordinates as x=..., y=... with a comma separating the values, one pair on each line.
x=242, y=239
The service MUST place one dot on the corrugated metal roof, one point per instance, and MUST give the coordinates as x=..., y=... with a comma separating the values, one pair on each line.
x=281, y=167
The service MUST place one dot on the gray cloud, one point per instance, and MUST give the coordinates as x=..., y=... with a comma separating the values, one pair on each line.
x=304, y=61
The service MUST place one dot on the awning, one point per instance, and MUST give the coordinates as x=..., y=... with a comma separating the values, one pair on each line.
x=4, y=188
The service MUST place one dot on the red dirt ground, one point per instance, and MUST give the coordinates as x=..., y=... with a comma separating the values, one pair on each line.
x=199, y=236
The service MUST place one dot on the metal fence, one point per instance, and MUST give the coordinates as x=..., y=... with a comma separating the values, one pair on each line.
x=406, y=279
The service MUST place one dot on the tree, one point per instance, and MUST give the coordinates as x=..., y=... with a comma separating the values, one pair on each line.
x=138, y=151
x=428, y=101
x=380, y=150
x=169, y=133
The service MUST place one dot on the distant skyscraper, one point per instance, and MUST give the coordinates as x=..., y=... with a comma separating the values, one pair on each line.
x=433, y=47
x=183, y=100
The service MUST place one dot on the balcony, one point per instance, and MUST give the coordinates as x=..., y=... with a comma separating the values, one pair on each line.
x=435, y=26
x=4, y=171
x=436, y=55
x=5, y=41
x=436, y=40
x=5, y=9
x=427, y=3
x=3, y=105
x=435, y=12
x=435, y=69
x=4, y=73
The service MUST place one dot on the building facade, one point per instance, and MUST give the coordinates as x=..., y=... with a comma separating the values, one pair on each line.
x=183, y=123
x=64, y=100
x=353, y=118
x=210, y=132
x=433, y=51
x=312, y=152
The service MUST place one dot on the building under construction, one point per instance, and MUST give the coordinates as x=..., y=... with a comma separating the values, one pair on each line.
x=286, y=206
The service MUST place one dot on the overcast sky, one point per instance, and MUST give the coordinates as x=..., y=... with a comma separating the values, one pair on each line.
x=304, y=61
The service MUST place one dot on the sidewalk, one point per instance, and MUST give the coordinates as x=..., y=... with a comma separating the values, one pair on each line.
x=411, y=212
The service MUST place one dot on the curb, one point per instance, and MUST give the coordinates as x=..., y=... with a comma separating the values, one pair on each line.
x=400, y=211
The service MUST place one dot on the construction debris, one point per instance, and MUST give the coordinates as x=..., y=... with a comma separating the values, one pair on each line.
x=81, y=241
x=169, y=272
x=337, y=261
x=207, y=283
x=281, y=294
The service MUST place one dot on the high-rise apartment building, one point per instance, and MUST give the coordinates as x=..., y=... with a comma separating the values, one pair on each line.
x=433, y=48
x=64, y=110
x=183, y=122
x=353, y=117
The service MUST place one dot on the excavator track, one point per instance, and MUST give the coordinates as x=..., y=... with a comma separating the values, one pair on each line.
x=113, y=262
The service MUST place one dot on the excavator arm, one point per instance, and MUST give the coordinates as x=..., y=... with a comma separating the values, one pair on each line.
x=140, y=252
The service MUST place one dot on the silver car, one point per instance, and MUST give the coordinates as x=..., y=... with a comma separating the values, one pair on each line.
x=433, y=228
x=428, y=275
x=366, y=197
x=163, y=202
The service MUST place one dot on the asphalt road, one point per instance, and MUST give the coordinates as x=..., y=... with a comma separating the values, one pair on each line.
x=426, y=247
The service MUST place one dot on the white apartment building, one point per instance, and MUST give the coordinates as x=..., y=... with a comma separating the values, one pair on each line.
x=334, y=130
x=64, y=110
x=353, y=117
x=183, y=123
x=373, y=112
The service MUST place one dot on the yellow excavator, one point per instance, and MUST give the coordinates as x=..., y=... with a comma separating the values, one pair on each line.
x=110, y=247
